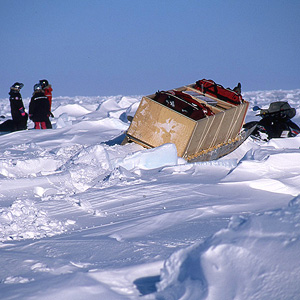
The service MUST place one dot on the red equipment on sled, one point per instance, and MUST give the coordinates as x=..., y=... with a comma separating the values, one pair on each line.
x=183, y=103
x=218, y=91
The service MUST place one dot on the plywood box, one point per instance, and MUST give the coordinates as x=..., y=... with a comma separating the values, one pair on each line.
x=155, y=124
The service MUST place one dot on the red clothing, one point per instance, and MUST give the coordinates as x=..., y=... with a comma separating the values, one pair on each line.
x=48, y=92
x=40, y=125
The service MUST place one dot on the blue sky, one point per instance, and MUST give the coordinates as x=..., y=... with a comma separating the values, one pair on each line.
x=136, y=47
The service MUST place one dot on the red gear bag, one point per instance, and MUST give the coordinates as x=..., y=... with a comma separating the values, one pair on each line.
x=218, y=91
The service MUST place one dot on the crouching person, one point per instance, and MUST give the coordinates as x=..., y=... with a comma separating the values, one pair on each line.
x=39, y=108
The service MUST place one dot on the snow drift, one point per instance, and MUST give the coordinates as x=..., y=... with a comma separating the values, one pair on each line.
x=252, y=259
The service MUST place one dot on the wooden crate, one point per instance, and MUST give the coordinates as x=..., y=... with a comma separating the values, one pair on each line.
x=155, y=124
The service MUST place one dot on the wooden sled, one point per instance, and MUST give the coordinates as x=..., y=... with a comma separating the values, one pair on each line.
x=206, y=139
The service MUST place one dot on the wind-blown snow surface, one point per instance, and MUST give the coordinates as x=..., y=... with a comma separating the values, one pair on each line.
x=83, y=217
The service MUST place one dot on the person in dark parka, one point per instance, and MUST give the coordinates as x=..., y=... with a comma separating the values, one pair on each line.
x=39, y=108
x=47, y=88
x=19, y=116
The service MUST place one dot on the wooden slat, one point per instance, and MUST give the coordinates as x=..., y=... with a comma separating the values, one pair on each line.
x=155, y=124
x=221, y=104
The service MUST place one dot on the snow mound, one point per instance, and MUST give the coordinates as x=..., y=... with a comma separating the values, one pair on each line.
x=165, y=155
x=75, y=110
x=28, y=167
x=23, y=220
x=235, y=263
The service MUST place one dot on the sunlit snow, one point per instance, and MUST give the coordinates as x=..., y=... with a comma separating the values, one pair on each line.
x=84, y=217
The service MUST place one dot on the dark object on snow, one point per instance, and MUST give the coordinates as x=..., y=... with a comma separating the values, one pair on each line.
x=276, y=122
x=7, y=126
x=279, y=110
x=39, y=108
x=130, y=118
x=19, y=116
x=47, y=88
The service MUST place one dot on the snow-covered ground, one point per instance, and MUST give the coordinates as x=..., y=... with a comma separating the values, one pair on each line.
x=82, y=217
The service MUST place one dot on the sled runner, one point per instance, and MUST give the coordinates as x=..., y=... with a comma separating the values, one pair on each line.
x=196, y=122
x=224, y=149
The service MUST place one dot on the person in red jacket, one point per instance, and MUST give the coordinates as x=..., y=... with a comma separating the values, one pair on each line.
x=39, y=108
x=47, y=88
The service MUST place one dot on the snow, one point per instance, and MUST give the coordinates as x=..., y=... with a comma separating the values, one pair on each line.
x=84, y=217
